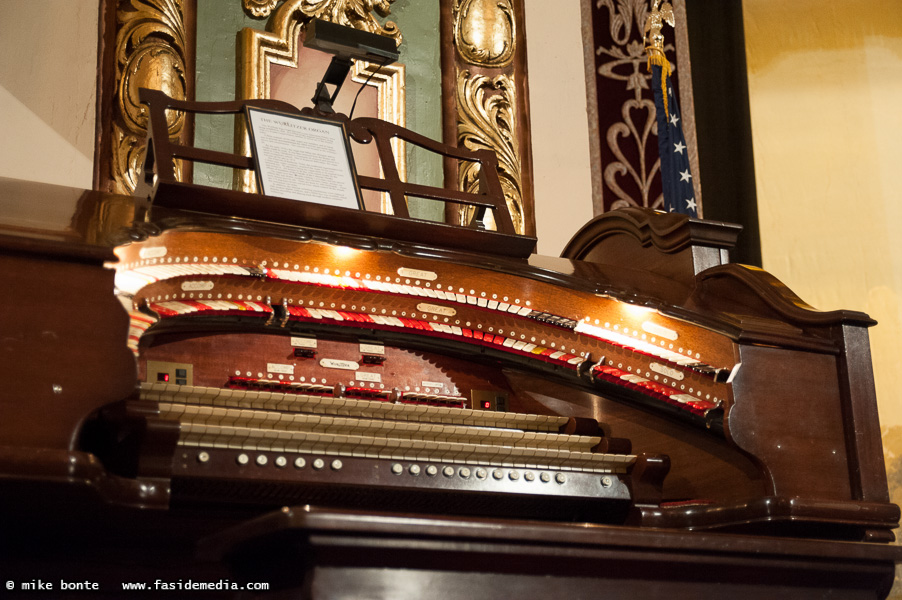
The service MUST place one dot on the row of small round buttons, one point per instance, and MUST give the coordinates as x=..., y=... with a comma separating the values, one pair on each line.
x=280, y=461
x=478, y=472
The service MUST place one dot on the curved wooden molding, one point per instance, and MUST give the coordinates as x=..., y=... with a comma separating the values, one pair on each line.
x=666, y=232
x=766, y=296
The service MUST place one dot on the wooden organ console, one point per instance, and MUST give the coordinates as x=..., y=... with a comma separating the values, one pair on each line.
x=437, y=403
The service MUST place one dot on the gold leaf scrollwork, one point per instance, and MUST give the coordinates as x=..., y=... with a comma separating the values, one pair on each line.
x=486, y=121
x=259, y=9
x=150, y=52
x=353, y=13
x=484, y=31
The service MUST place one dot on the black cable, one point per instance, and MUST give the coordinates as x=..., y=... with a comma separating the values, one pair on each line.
x=354, y=105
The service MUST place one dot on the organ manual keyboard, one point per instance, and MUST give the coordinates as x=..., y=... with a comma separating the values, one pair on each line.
x=177, y=367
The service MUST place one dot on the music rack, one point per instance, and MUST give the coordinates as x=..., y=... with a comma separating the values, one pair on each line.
x=158, y=185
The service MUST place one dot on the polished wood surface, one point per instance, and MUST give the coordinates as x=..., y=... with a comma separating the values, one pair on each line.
x=310, y=553
x=779, y=482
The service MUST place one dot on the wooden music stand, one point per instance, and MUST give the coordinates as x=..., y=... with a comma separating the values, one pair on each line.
x=158, y=184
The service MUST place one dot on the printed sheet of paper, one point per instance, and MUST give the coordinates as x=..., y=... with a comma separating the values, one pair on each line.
x=303, y=158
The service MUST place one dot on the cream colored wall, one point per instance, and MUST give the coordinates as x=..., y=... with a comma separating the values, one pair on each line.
x=825, y=83
x=48, y=62
x=560, y=135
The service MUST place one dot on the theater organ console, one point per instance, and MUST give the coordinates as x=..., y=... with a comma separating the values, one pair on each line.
x=641, y=400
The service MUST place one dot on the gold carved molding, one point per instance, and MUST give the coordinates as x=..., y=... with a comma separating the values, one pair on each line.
x=259, y=9
x=486, y=120
x=488, y=86
x=352, y=13
x=150, y=51
x=258, y=51
x=485, y=31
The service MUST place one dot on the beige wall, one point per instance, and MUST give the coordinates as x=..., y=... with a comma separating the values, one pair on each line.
x=48, y=61
x=825, y=82
x=560, y=135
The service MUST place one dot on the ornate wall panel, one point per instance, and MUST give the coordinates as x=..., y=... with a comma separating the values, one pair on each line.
x=264, y=58
x=485, y=100
x=621, y=107
x=145, y=43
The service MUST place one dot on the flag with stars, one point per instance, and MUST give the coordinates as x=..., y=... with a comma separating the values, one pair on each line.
x=676, y=177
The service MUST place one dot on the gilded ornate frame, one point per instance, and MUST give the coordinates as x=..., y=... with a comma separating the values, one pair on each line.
x=486, y=98
x=258, y=50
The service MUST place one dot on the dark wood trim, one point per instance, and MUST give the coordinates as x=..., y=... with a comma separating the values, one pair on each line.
x=106, y=90
x=344, y=554
x=723, y=119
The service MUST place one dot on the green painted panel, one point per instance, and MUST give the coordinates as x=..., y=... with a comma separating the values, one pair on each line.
x=218, y=24
x=421, y=53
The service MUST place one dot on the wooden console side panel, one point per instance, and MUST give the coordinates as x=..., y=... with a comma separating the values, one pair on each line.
x=868, y=471
x=63, y=348
x=788, y=414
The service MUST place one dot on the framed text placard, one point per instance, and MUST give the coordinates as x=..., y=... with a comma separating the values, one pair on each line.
x=303, y=158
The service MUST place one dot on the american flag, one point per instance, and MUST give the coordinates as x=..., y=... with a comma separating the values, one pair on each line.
x=676, y=177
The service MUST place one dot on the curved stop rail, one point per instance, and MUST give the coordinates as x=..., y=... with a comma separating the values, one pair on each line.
x=162, y=151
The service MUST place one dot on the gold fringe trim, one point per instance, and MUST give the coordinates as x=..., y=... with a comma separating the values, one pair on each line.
x=656, y=57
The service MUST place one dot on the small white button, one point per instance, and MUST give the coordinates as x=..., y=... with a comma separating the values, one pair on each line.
x=514, y=475
x=319, y=464
x=481, y=473
x=337, y=465
x=545, y=477
x=203, y=457
x=281, y=461
x=432, y=470
x=529, y=476
x=448, y=471
x=299, y=463
x=464, y=472
x=397, y=469
x=498, y=474
x=414, y=470
x=243, y=459
x=560, y=478
x=262, y=460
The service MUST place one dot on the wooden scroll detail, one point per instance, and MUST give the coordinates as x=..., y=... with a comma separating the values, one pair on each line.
x=485, y=98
